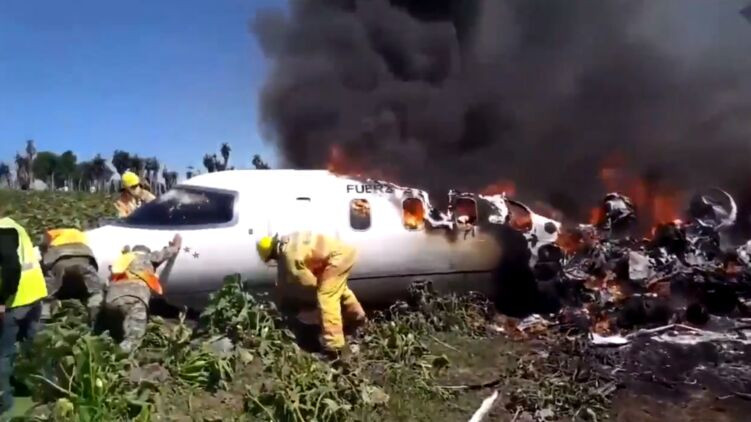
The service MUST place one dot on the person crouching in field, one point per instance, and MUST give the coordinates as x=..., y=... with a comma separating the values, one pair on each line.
x=72, y=270
x=133, y=279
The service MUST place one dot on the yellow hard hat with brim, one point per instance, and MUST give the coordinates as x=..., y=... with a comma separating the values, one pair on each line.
x=130, y=179
x=122, y=263
x=265, y=246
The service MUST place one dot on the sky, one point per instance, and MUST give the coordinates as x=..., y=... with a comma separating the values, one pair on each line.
x=170, y=78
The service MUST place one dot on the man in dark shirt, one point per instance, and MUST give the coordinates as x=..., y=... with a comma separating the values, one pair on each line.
x=19, y=323
x=10, y=273
x=10, y=265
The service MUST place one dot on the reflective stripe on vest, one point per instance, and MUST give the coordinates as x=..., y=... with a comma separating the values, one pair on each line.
x=32, y=286
x=132, y=266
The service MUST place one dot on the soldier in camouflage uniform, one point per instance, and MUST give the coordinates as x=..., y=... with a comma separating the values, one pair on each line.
x=69, y=264
x=132, y=281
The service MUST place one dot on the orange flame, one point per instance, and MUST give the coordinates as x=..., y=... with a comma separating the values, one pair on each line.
x=361, y=207
x=519, y=217
x=521, y=222
x=413, y=213
x=337, y=162
x=596, y=215
x=665, y=207
x=657, y=204
x=342, y=164
x=602, y=324
x=465, y=211
x=547, y=210
x=502, y=186
x=570, y=241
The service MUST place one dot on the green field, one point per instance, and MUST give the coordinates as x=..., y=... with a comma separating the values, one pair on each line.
x=422, y=362
x=38, y=211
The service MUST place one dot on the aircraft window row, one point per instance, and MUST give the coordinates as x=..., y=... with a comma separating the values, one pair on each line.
x=413, y=213
x=185, y=207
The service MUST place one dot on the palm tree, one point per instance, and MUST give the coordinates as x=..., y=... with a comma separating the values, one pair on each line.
x=83, y=175
x=217, y=164
x=225, y=150
x=165, y=177
x=5, y=173
x=31, y=150
x=121, y=160
x=152, y=171
x=170, y=178
x=22, y=172
x=259, y=164
x=210, y=163
x=100, y=173
x=137, y=165
x=31, y=153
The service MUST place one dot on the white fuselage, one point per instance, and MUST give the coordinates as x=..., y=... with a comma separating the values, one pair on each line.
x=221, y=215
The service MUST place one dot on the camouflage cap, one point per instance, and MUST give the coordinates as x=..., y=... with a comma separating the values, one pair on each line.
x=140, y=248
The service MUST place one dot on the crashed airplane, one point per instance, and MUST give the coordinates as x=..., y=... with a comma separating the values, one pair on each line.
x=400, y=236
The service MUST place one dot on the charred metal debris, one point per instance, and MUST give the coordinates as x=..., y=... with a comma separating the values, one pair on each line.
x=668, y=311
x=603, y=278
x=606, y=280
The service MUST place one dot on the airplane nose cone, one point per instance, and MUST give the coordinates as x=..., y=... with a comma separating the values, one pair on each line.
x=107, y=242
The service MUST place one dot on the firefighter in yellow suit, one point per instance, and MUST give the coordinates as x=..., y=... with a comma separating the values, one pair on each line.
x=22, y=288
x=132, y=195
x=324, y=264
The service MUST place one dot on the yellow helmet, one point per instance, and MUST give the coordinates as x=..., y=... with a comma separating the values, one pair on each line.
x=130, y=179
x=265, y=246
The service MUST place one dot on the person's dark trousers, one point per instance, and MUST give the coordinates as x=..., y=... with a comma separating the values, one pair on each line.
x=19, y=324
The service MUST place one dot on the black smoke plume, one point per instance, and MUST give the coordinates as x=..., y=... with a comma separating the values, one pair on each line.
x=440, y=93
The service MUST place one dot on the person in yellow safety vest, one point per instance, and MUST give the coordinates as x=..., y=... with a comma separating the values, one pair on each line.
x=324, y=264
x=22, y=288
x=133, y=278
x=70, y=265
x=132, y=195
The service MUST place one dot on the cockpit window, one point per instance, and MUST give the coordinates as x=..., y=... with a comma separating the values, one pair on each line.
x=185, y=207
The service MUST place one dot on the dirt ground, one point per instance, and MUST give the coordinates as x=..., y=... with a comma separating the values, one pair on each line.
x=473, y=361
x=630, y=407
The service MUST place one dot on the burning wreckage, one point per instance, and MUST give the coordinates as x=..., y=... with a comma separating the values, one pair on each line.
x=665, y=313
x=669, y=309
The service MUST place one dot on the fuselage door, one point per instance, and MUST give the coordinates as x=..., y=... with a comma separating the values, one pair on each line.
x=297, y=213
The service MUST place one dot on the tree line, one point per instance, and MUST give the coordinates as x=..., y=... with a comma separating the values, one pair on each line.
x=63, y=171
